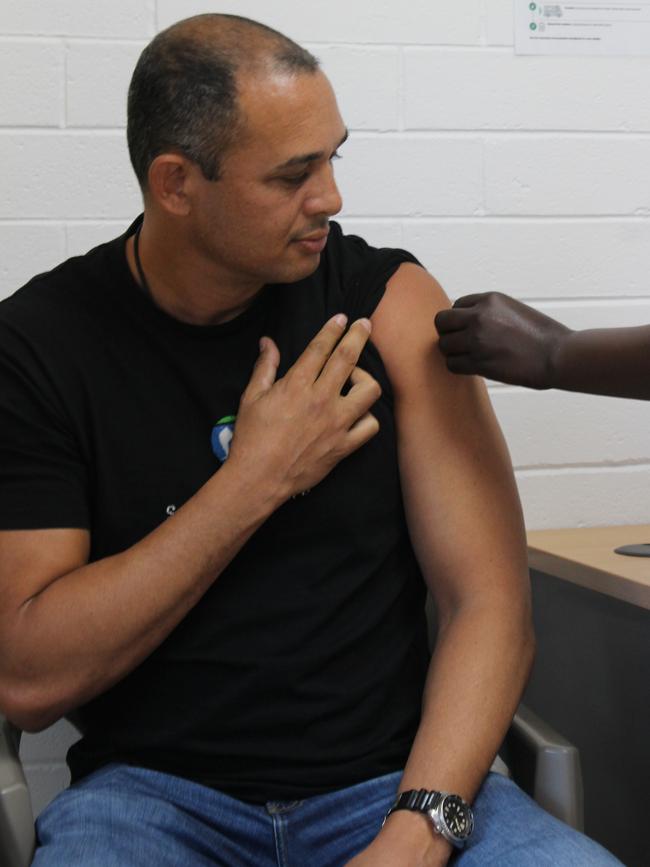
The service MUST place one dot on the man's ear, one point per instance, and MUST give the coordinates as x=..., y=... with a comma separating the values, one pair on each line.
x=168, y=179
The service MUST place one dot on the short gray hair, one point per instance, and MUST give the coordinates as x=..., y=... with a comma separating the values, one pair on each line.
x=183, y=92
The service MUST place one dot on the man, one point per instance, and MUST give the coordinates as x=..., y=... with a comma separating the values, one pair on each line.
x=493, y=335
x=218, y=496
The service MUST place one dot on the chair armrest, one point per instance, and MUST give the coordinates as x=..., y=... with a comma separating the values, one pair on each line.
x=16, y=819
x=547, y=766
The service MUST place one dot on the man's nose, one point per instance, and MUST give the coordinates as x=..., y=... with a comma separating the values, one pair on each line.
x=324, y=197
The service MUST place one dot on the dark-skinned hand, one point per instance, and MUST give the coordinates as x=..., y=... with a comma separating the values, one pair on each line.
x=495, y=336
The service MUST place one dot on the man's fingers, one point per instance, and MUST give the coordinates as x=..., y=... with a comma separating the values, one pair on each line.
x=315, y=356
x=364, y=393
x=343, y=360
x=362, y=430
x=265, y=370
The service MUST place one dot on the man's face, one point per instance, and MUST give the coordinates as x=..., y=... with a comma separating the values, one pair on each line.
x=266, y=219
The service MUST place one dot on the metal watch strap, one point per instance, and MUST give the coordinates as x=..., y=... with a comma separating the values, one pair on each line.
x=420, y=800
x=430, y=804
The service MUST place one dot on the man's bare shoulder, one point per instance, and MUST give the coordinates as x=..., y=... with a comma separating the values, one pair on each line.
x=404, y=332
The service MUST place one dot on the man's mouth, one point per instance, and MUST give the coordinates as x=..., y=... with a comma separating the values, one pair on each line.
x=314, y=242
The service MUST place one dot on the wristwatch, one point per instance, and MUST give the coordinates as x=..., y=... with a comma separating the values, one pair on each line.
x=450, y=815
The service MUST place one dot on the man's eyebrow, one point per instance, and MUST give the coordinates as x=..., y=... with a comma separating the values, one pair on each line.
x=308, y=158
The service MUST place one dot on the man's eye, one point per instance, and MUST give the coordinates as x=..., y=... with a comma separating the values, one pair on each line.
x=295, y=180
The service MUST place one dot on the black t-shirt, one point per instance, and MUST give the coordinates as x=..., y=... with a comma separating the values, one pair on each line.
x=301, y=669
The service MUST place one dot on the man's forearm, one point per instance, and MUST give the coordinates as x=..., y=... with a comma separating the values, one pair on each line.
x=92, y=626
x=477, y=674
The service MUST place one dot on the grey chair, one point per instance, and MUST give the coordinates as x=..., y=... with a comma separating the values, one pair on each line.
x=16, y=820
x=545, y=765
x=537, y=758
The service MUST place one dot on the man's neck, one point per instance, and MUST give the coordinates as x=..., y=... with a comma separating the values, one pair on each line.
x=184, y=284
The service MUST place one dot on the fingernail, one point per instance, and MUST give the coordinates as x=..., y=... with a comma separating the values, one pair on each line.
x=367, y=324
x=341, y=319
x=263, y=343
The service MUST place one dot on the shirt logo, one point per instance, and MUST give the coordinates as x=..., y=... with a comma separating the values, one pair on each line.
x=222, y=434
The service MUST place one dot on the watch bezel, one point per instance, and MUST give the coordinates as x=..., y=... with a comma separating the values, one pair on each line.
x=437, y=816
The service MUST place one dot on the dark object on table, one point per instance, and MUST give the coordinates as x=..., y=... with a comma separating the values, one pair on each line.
x=640, y=550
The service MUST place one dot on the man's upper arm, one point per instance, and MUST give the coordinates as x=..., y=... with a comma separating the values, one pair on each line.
x=459, y=491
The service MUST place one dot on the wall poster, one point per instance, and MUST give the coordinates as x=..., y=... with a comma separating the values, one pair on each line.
x=607, y=27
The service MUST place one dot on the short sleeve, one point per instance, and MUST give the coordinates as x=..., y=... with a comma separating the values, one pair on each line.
x=43, y=478
x=364, y=270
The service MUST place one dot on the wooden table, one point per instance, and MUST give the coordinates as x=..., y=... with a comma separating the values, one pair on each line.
x=586, y=557
x=591, y=678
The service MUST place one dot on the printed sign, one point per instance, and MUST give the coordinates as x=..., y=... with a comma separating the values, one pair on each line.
x=606, y=27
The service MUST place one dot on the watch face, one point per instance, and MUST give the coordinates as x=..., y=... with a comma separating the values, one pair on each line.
x=457, y=816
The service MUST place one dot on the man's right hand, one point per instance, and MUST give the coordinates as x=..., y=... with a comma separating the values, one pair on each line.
x=70, y=629
x=296, y=429
x=495, y=336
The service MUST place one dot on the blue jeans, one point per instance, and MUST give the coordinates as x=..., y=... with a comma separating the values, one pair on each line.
x=129, y=817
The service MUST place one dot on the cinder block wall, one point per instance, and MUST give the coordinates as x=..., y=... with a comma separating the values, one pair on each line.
x=526, y=175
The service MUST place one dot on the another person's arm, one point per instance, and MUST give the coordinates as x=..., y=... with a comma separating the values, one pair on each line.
x=70, y=629
x=467, y=530
x=495, y=336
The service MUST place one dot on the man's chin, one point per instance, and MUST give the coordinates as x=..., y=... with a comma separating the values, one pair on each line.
x=299, y=270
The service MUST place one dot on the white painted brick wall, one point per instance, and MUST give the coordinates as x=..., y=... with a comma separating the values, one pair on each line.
x=568, y=175
x=119, y=18
x=418, y=175
x=94, y=97
x=536, y=429
x=30, y=97
x=26, y=249
x=521, y=174
x=533, y=258
x=499, y=25
x=496, y=90
x=445, y=22
x=373, y=72
x=63, y=175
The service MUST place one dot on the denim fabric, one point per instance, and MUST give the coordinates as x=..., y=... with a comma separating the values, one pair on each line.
x=130, y=817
